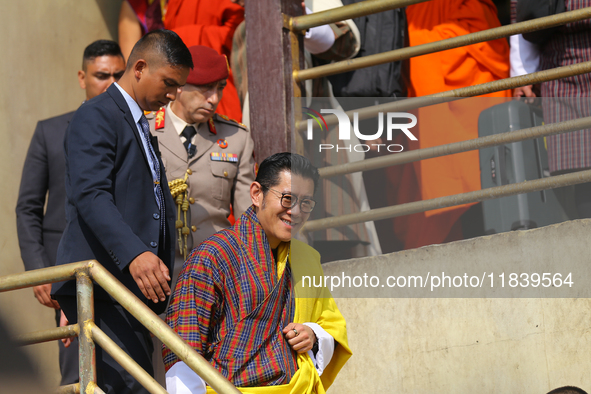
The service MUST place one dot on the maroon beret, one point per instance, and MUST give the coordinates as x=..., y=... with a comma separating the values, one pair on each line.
x=209, y=66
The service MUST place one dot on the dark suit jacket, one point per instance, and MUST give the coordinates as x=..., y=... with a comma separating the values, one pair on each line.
x=39, y=233
x=111, y=211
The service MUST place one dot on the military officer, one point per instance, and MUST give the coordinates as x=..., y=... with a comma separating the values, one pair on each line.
x=207, y=156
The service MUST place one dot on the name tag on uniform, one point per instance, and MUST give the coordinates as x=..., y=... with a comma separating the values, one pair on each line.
x=229, y=157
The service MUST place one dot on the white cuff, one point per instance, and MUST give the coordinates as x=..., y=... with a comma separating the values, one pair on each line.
x=180, y=379
x=318, y=39
x=524, y=56
x=325, y=348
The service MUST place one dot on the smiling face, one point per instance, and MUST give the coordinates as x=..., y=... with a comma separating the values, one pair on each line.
x=100, y=73
x=278, y=222
x=197, y=103
x=157, y=85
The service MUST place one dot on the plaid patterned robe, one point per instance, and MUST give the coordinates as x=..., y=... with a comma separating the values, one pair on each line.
x=230, y=306
x=570, y=44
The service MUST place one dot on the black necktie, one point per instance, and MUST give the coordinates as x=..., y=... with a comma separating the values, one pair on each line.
x=189, y=132
x=159, y=194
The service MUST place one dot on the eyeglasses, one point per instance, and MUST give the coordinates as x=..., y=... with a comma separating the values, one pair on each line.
x=288, y=200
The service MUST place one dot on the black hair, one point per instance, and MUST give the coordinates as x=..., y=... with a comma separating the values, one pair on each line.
x=272, y=166
x=100, y=48
x=166, y=44
x=568, y=390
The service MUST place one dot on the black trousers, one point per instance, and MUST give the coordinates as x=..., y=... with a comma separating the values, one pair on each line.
x=68, y=357
x=129, y=335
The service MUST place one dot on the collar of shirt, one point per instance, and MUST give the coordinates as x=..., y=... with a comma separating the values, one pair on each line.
x=136, y=111
x=179, y=124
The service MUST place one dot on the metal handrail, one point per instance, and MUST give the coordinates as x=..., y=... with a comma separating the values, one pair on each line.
x=89, y=333
x=456, y=94
x=442, y=45
x=350, y=11
x=303, y=22
x=161, y=330
x=31, y=338
x=69, y=389
x=108, y=345
x=456, y=147
x=449, y=201
x=41, y=276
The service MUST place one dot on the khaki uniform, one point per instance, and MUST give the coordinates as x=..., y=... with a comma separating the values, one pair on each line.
x=219, y=174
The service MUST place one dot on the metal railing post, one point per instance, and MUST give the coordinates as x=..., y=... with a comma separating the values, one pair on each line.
x=87, y=368
x=161, y=330
x=69, y=389
x=86, y=328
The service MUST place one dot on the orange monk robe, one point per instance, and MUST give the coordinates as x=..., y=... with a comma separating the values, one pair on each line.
x=210, y=23
x=445, y=123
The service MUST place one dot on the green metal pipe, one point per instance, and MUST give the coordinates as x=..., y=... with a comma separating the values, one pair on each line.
x=161, y=330
x=69, y=389
x=456, y=94
x=442, y=45
x=108, y=345
x=41, y=276
x=356, y=10
x=85, y=298
x=449, y=201
x=48, y=335
x=456, y=147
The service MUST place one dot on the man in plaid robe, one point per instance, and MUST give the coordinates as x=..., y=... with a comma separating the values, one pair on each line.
x=241, y=301
x=563, y=99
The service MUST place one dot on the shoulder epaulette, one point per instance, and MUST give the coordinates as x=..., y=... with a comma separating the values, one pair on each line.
x=159, y=123
x=231, y=121
x=149, y=114
x=211, y=126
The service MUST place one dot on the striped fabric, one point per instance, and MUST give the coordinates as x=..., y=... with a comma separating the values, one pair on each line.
x=230, y=306
x=570, y=151
x=567, y=98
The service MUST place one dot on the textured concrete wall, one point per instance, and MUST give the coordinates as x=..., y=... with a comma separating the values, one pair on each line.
x=468, y=345
x=42, y=45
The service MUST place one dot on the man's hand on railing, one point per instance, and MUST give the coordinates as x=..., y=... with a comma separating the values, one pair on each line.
x=43, y=295
x=64, y=322
x=151, y=276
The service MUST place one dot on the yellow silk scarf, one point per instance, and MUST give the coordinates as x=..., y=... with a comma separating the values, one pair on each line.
x=312, y=305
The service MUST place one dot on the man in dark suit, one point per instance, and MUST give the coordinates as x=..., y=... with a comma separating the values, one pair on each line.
x=119, y=210
x=39, y=232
